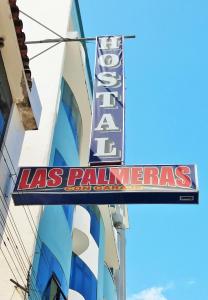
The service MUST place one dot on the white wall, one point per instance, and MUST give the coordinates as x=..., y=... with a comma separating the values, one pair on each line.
x=46, y=70
x=66, y=59
x=20, y=233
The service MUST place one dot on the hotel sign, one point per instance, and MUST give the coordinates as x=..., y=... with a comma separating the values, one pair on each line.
x=144, y=184
x=107, y=136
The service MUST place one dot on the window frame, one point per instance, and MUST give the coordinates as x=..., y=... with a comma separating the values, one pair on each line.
x=59, y=293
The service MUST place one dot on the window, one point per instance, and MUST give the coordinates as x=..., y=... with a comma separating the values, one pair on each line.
x=53, y=290
x=48, y=269
x=5, y=100
x=72, y=112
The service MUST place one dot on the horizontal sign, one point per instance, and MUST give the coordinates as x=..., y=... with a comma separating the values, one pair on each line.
x=107, y=133
x=107, y=185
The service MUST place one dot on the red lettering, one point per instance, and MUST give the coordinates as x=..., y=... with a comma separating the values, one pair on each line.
x=74, y=174
x=119, y=176
x=89, y=177
x=167, y=176
x=151, y=175
x=55, y=178
x=102, y=176
x=23, y=183
x=183, y=179
x=136, y=175
x=39, y=179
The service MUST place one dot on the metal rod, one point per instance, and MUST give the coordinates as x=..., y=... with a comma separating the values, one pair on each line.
x=19, y=286
x=61, y=40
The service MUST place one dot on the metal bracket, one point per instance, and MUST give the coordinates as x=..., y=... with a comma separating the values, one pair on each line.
x=64, y=40
x=19, y=286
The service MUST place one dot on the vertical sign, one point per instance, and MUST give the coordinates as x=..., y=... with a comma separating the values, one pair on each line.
x=107, y=136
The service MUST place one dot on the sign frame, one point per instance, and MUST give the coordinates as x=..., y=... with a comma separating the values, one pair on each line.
x=113, y=138
x=109, y=193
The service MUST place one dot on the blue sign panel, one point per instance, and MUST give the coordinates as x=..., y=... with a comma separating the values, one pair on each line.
x=107, y=136
x=144, y=184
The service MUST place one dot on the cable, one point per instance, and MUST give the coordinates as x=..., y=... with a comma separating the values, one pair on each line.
x=15, y=174
x=13, y=242
x=21, y=244
x=46, y=27
x=11, y=258
x=9, y=265
x=45, y=50
x=36, y=230
x=12, y=294
x=10, y=217
x=13, y=245
x=14, y=226
x=36, y=235
x=18, y=236
x=15, y=250
x=41, y=24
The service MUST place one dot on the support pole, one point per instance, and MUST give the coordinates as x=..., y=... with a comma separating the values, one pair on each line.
x=19, y=286
x=66, y=40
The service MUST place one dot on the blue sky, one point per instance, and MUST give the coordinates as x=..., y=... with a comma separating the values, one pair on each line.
x=166, y=122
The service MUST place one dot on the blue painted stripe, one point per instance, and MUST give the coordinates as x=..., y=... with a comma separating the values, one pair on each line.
x=82, y=279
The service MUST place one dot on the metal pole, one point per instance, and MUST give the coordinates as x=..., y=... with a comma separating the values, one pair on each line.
x=19, y=286
x=64, y=40
x=120, y=276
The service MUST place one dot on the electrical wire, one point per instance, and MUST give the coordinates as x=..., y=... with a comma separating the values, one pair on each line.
x=12, y=243
x=36, y=294
x=19, y=239
x=11, y=257
x=32, y=273
x=12, y=294
x=14, y=226
x=36, y=230
x=11, y=219
x=37, y=236
x=14, y=248
x=8, y=264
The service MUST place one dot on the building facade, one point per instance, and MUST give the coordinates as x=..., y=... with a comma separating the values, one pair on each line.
x=52, y=252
